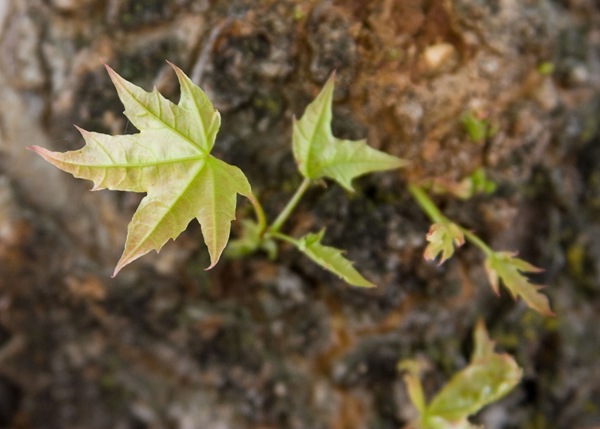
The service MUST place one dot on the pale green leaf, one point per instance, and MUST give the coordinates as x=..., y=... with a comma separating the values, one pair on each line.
x=505, y=266
x=319, y=154
x=169, y=159
x=331, y=259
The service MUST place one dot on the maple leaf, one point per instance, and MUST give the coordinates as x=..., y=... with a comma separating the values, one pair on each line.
x=504, y=265
x=169, y=159
x=443, y=237
x=319, y=154
x=330, y=258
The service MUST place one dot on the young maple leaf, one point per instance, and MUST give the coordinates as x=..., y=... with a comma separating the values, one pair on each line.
x=504, y=265
x=319, y=154
x=169, y=159
x=331, y=259
x=442, y=237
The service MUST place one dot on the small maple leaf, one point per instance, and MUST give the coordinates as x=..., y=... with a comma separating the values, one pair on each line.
x=319, y=154
x=505, y=266
x=169, y=159
x=443, y=237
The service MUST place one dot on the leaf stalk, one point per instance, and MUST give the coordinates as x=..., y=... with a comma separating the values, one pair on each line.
x=426, y=204
x=261, y=220
x=289, y=208
x=284, y=237
x=476, y=241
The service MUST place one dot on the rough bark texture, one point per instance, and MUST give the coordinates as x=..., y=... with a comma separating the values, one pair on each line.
x=261, y=344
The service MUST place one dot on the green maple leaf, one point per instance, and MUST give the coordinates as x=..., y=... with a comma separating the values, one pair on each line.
x=330, y=258
x=169, y=159
x=505, y=266
x=319, y=154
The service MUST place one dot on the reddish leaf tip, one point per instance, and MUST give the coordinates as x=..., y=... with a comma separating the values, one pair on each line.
x=116, y=270
x=43, y=152
x=213, y=262
x=119, y=267
x=125, y=260
x=114, y=76
x=82, y=131
x=109, y=69
x=177, y=70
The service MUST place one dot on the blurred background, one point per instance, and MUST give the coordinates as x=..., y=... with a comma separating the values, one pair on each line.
x=511, y=88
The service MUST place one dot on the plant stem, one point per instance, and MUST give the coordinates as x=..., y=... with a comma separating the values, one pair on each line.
x=476, y=241
x=426, y=204
x=283, y=237
x=260, y=214
x=289, y=208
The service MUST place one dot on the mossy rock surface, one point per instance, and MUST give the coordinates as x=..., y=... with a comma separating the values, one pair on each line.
x=261, y=344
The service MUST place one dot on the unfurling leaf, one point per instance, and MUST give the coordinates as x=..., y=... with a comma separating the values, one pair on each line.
x=442, y=237
x=319, y=154
x=331, y=259
x=488, y=377
x=250, y=241
x=505, y=266
x=170, y=160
